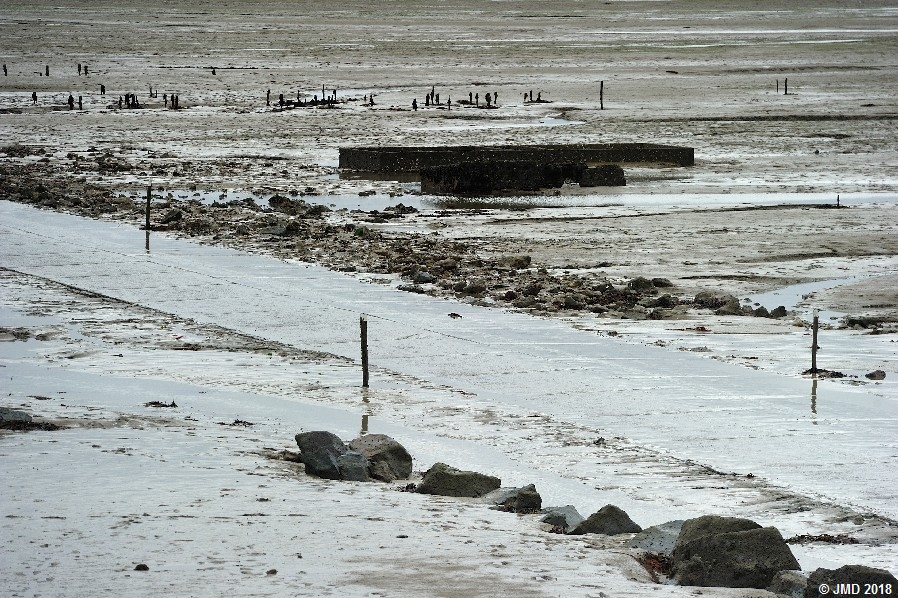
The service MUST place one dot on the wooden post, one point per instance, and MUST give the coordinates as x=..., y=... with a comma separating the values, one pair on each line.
x=601, y=95
x=777, y=86
x=814, y=328
x=363, y=323
x=786, y=87
x=149, y=197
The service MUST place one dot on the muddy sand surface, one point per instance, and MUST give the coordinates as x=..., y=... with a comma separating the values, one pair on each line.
x=756, y=218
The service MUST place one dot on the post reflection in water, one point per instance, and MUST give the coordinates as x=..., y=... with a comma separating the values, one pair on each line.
x=814, y=398
x=364, y=415
x=148, y=242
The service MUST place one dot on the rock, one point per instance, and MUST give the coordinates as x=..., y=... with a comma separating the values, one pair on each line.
x=658, y=538
x=731, y=308
x=709, y=525
x=640, y=284
x=172, y=215
x=733, y=559
x=422, y=277
x=850, y=574
x=789, y=583
x=353, y=466
x=778, y=312
x=609, y=520
x=664, y=301
x=713, y=300
x=566, y=518
x=518, y=500
x=444, y=480
x=662, y=282
x=516, y=262
x=13, y=415
x=142, y=567
x=761, y=312
x=388, y=460
x=876, y=375
x=320, y=451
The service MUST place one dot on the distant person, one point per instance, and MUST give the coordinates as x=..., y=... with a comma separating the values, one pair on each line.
x=268, y=98
x=79, y=69
x=495, y=98
x=438, y=99
x=470, y=98
x=48, y=70
x=489, y=99
x=80, y=104
x=4, y=69
x=476, y=99
x=449, y=103
x=120, y=102
x=415, y=105
x=71, y=102
x=85, y=70
x=281, y=100
x=34, y=98
x=102, y=89
x=165, y=99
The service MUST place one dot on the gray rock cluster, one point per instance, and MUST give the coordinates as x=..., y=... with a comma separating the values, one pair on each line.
x=704, y=551
x=727, y=305
x=729, y=552
x=371, y=457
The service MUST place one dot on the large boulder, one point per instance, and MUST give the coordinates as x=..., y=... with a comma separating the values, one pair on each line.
x=729, y=552
x=353, y=466
x=320, y=451
x=864, y=577
x=609, y=520
x=791, y=584
x=710, y=525
x=13, y=415
x=659, y=539
x=563, y=518
x=443, y=480
x=516, y=500
x=387, y=459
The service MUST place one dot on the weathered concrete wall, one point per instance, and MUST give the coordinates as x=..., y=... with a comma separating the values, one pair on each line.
x=478, y=178
x=473, y=178
x=396, y=159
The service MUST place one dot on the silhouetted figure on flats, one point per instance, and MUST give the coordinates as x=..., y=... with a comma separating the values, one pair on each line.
x=415, y=105
x=71, y=102
x=34, y=98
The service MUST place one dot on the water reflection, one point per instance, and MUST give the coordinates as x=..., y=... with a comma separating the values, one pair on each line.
x=814, y=399
x=148, y=242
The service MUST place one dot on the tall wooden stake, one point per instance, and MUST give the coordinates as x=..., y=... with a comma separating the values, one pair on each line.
x=814, y=343
x=149, y=197
x=601, y=95
x=363, y=323
x=786, y=87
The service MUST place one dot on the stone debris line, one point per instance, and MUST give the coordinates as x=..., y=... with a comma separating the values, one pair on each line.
x=703, y=551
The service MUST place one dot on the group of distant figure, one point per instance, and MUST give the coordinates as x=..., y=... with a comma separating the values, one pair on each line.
x=129, y=100
x=433, y=99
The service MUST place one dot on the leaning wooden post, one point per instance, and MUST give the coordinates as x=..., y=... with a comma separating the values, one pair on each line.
x=149, y=197
x=363, y=323
x=814, y=328
x=601, y=95
x=786, y=87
